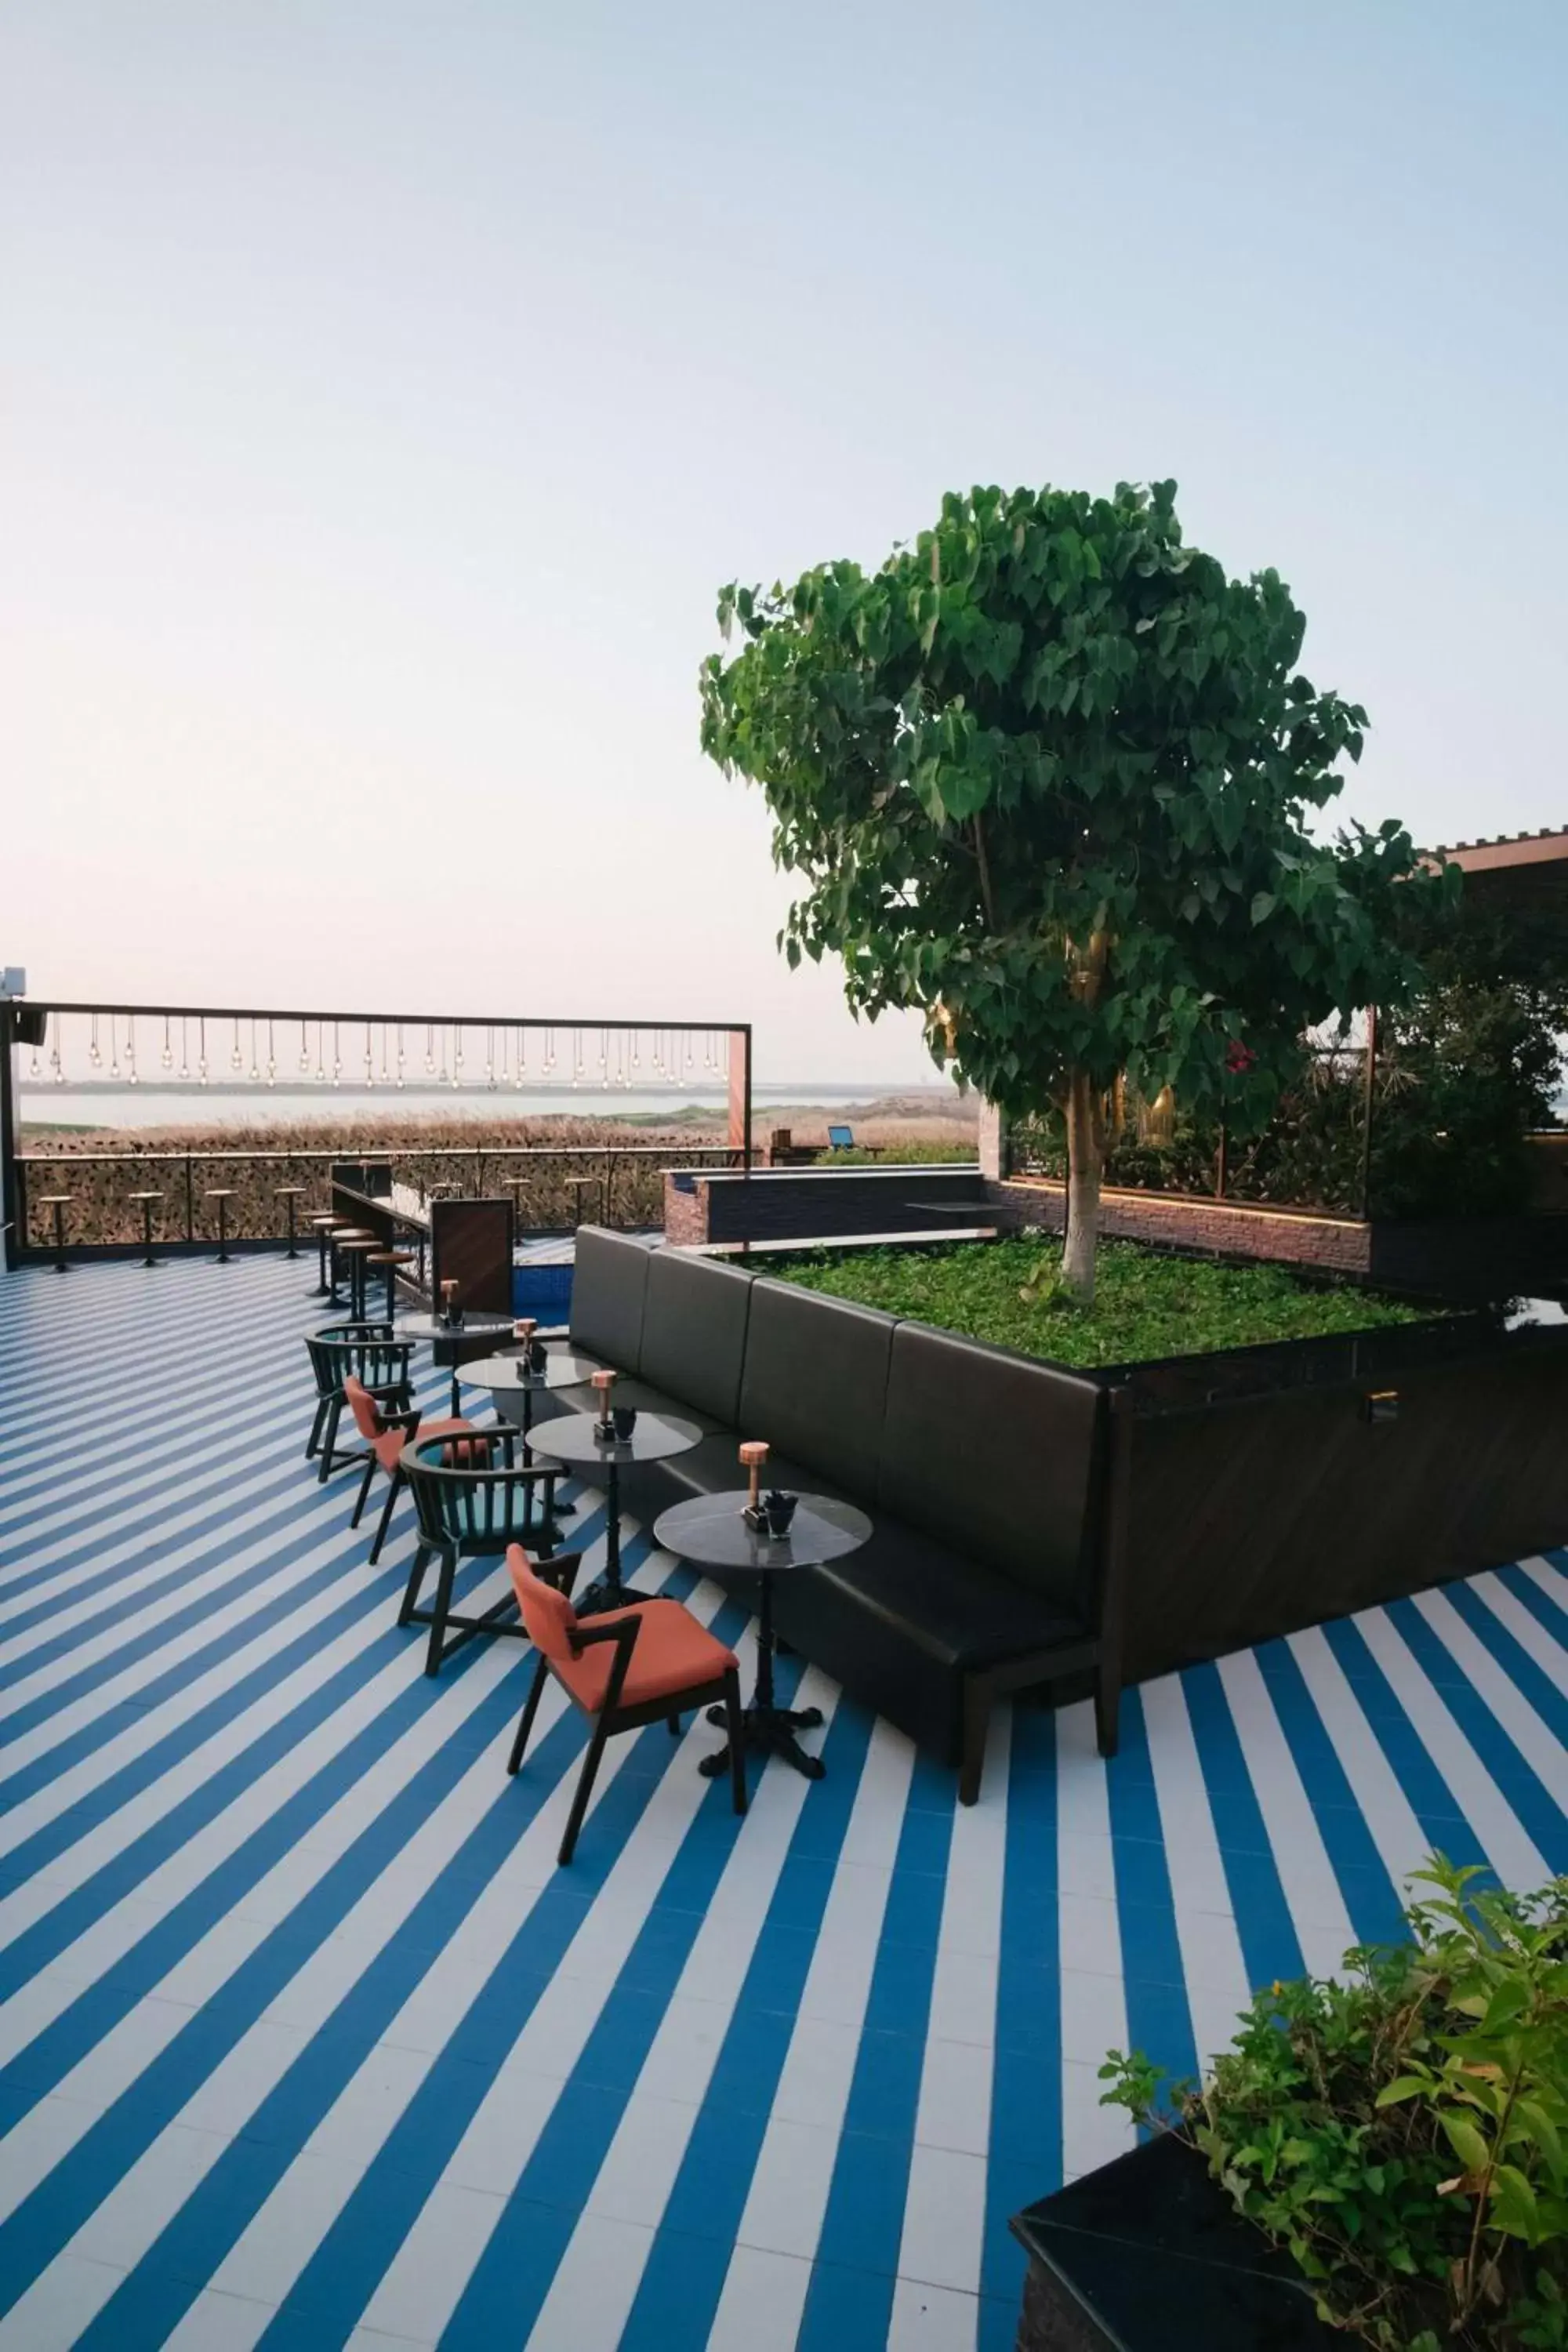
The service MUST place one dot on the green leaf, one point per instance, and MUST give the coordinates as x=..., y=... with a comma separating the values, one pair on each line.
x=1263, y=906
x=1464, y=2139
x=1404, y=2087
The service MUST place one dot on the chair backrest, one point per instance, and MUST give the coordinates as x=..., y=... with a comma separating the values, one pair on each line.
x=368, y=1350
x=362, y=1404
x=457, y=1503
x=547, y=1613
x=841, y=1138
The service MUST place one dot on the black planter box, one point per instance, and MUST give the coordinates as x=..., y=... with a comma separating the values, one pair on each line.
x=1148, y=2254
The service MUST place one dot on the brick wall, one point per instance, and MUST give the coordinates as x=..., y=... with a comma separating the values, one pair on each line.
x=1225, y=1227
x=685, y=1213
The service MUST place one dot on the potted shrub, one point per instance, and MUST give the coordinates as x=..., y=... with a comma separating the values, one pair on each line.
x=1382, y=2156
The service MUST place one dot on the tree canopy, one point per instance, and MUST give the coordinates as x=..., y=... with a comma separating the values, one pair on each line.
x=1047, y=775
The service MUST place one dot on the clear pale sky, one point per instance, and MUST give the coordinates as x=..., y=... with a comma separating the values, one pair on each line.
x=387, y=389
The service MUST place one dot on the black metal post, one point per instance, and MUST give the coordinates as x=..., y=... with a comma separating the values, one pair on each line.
x=1369, y=1102
x=12, y=1207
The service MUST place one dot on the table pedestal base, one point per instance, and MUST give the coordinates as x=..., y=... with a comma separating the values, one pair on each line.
x=768, y=1731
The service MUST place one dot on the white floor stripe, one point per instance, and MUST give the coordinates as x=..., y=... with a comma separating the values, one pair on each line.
x=793, y=2178
x=1535, y=1740
x=1512, y=1854
x=287, y=2230
x=1094, y=2005
x=1323, y=1924
x=494, y=2149
x=1212, y=1963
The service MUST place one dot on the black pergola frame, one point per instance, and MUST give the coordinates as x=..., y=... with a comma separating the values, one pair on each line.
x=24, y=1020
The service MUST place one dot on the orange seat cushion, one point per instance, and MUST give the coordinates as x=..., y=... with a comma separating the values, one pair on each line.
x=389, y=1443
x=673, y=1653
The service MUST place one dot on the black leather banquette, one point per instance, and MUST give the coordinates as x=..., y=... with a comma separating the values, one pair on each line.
x=981, y=1469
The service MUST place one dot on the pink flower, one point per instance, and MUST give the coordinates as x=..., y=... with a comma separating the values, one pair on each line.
x=1239, y=1059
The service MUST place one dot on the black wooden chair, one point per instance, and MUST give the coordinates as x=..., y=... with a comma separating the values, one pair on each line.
x=651, y=1663
x=370, y=1354
x=473, y=1499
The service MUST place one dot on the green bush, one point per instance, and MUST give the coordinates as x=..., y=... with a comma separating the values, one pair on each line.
x=1405, y=2134
x=898, y=1155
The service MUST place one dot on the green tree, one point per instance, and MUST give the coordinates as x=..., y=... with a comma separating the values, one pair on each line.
x=1045, y=775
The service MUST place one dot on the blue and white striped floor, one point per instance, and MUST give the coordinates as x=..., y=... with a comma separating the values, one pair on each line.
x=305, y=2043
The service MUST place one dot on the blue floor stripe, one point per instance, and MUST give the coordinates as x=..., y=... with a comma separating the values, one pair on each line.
x=1371, y=1897
x=1269, y=1942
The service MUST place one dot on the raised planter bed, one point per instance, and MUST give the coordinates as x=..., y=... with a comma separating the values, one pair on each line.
x=1148, y=2254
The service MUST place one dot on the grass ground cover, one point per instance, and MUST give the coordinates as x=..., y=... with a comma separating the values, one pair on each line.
x=1146, y=1306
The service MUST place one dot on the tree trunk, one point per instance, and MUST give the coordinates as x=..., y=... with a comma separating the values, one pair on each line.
x=1085, y=1168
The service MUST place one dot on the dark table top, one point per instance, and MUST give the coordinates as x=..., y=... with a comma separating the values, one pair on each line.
x=711, y=1530
x=575, y=1438
x=472, y=1326
x=504, y=1373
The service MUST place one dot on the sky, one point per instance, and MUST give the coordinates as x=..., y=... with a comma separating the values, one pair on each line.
x=386, y=390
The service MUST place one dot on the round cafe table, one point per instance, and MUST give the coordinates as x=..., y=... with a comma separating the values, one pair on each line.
x=457, y=1343
x=514, y=1388
x=712, y=1531
x=578, y=1438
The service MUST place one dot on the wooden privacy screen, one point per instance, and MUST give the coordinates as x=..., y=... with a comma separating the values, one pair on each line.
x=471, y=1244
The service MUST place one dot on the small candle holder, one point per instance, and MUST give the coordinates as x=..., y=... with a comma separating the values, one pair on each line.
x=754, y=1454
x=450, y=1308
x=605, y=1382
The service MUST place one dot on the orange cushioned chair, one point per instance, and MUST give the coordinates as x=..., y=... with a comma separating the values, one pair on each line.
x=387, y=1430
x=631, y=1667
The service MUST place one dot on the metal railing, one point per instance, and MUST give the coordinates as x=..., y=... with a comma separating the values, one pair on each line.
x=555, y=1187
x=257, y=1050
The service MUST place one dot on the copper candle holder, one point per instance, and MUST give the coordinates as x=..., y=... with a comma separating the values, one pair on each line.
x=449, y=1301
x=604, y=1382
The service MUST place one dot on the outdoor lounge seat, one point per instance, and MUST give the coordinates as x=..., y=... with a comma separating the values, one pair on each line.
x=647, y=1664
x=978, y=1466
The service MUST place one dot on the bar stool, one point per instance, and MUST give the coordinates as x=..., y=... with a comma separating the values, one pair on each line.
x=59, y=1202
x=289, y=1193
x=342, y=1233
x=145, y=1199
x=222, y=1194
x=579, y=1185
x=391, y=1259
x=357, y=1251
x=322, y=1222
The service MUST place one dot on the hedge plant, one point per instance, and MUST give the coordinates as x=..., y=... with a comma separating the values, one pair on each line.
x=1404, y=2133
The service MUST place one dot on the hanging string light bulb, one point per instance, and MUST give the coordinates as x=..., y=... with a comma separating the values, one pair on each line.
x=184, y=1055
x=520, y=1056
x=255, y=1073
x=235, y=1059
x=94, y=1056
x=304, y=1052
x=369, y=1058
x=549, y=1051
x=320, y=1052
x=637, y=1048
x=457, y=1055
x=34, y=1072
x=337, y=1054
x=430, y=1053
x=431, y=1062
x=202, y=1048
x=489, y=1057
x=271, y=1055
x=113, y=1048
x=385, y=1072
x=400, y=1053
x=57, y=1068
x=166, y=1058
x=131, y=1048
